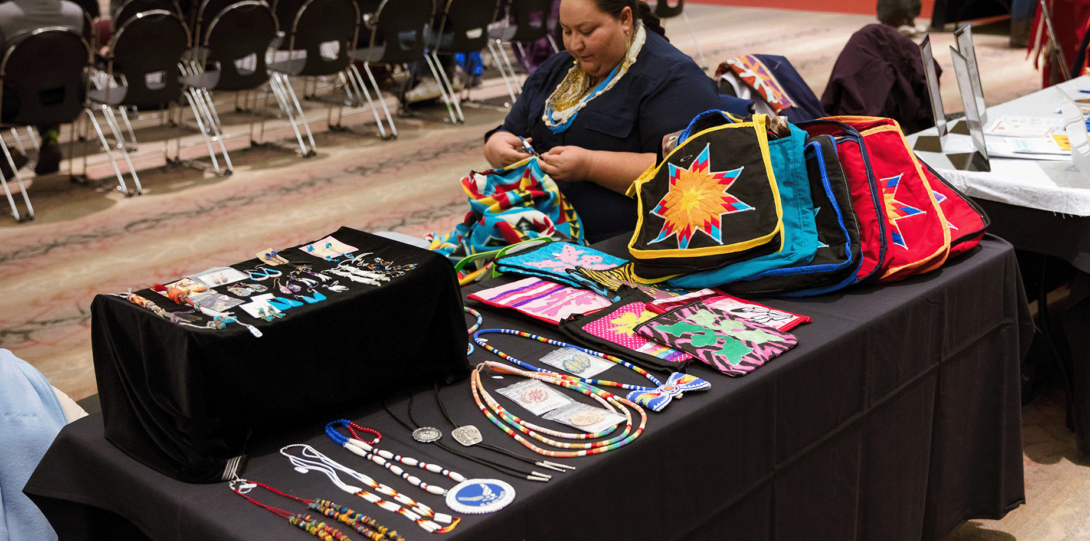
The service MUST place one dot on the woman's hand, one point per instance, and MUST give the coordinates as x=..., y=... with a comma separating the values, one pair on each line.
x=568, y=163
x=503, y=149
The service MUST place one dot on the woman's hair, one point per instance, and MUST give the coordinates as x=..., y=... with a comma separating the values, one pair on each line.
x=639, y=9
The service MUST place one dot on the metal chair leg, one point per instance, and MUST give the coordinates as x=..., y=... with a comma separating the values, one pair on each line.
x=128, y=126
x=378, y=94
x=112, y=123
x=510, y=68
x=22, y=189
x=450, y=88
x=30, y=132
x=361, y=87
x=699, y=49
x=18, y=140
x=442, y=90
x=198, y=117
x=109, y=152
x=285, y=106
x=552, y=42
x=503, y=71
x=302, y=116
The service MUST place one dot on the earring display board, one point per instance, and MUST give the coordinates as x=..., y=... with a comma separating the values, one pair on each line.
x=187, y=401
x=932, y=143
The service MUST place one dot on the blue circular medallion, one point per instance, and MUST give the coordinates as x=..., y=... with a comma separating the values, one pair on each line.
x=479, y=496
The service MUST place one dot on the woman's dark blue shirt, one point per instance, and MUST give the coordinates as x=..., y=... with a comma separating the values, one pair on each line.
x=662, y=91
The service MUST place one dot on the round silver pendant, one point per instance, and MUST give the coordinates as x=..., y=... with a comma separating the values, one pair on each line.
x=467, y=435
x=427, y=434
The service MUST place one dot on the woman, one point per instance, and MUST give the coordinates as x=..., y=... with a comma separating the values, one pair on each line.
x=597, y=112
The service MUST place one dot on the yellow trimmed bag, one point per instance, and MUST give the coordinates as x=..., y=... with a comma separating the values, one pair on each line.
x=711, y=202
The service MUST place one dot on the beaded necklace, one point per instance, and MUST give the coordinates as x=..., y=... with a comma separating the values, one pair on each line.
x=656, y=398
x=366, y=526
x=429, y=434
x=473, y=327
x=312, y=460
x=611, y=401
x=382, y=458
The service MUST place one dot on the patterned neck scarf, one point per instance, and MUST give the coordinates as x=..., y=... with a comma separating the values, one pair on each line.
x=575, y=91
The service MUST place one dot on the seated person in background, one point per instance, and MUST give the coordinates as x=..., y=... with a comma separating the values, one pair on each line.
x=598, y=111
x=18, y=18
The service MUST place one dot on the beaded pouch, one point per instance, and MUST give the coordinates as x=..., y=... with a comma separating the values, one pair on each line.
x=731, y=345
x=613, y=329
x=552, y=261
x=541, y=299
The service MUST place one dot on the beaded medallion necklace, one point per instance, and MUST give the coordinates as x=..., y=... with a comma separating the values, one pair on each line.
x=656, y=398
x=382, y=458
x=312, y=460
x=612, y=402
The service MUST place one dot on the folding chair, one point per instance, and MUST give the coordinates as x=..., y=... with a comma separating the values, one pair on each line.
x=231, y=56
x=325, y=32
x=42, y=78
x=464, y=29
x=130, y=8
x=663, y=10
x=531, y=24
x=141, y=72
x=399, y=32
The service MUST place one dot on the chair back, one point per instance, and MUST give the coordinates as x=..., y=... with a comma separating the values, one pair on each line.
x=44, y=72
x=664, y=10
x=531, y=19
x=203, y=15
x=401, y=26
x=285, y=11
x=237, y=39
x=321, y=22
x=464, y=28
x=130, y=8
x=146, y=50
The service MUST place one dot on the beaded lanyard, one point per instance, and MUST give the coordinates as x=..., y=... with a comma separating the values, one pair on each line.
x=312, y=460
x=656, y=398
x=382, y=458
x=472, y=328
x=365, y=525
x=502, y=468
x=592, y=448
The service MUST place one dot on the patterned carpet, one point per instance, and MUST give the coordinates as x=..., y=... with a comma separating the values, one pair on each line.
x=89, y=239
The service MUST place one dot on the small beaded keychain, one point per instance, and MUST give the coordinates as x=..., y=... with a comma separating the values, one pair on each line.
x=382, y=457
x=366, y=526
x=613, y=403
x=656, y=398
x=312, y=460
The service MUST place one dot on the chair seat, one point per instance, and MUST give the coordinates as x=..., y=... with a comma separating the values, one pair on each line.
x=370, y=54
x=503, y=33
x=207, y=79
x=109, y=96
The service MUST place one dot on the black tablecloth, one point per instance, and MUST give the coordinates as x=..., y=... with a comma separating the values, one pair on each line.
x=1068, y=238
x=186, y=401
x=896, y=418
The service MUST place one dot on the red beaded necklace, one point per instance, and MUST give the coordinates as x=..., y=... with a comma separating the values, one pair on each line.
x=366, y=526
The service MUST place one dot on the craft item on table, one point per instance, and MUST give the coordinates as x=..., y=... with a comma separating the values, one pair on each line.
x=576, y=362
x=315, y=296
x=336, y=287
x=218, y=276
x=240, y=290
x=327, y=248
x=307, y=282
x=183, y=297
x=491, y=409
x=540, y=299
x=778, y=319
x=480, y=496
x=215, y=301
x=283, y=303
x=434, y=436
x=552, y=261
x=732, y=345
x=261, y=273
x=470, y=436
x=261, y=309
x=179, y=318
x=381, y=267
x=656, y=398
x=352, y=267
x=472, y=328
x=287, y=287
x=354, y=278
x=321, y=530
x=310, y=459
x=534, y=396
x=615, y=278
x=584, y=417
x=363, y=524
x=272, y=257
x=381, y=457
x=507, y=206
x=613, y=330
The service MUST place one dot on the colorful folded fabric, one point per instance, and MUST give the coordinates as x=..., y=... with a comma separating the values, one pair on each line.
x=730, y=344
x=543, y=300
x=552, y=261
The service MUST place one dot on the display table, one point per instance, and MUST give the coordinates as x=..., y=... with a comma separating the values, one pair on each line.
x=897, y=417
x=1051, y=216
